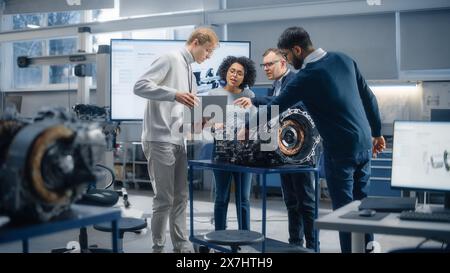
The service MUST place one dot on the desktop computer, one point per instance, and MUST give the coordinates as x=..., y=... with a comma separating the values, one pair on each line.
x=421, y=162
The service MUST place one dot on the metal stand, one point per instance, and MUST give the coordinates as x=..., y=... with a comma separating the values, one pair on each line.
x=208, y=164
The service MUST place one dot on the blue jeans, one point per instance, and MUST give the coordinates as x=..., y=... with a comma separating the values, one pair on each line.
x=347, y=180
x=222, y=198
x=298, y=195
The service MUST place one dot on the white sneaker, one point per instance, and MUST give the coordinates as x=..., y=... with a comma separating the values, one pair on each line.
x=183, y=250
x=158, y=249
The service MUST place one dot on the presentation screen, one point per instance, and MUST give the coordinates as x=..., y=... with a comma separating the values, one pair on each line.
x=131, y=58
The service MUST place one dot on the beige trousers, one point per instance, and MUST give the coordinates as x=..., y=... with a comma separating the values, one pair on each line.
x=167, y=163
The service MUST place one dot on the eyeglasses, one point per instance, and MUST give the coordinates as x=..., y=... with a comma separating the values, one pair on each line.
x=236, y=72
x=285, y=54
x=269, y=64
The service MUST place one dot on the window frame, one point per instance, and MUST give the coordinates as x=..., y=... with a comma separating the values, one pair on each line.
x=7, y=61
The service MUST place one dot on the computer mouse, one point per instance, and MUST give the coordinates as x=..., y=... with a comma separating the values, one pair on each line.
x=367, y=213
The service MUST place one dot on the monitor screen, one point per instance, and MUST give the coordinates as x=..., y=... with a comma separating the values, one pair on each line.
x=421, y=156
x=131, y=58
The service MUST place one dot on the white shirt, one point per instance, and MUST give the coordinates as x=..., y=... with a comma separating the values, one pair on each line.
x=277, y=84
x=163, y=115
x=314, y=56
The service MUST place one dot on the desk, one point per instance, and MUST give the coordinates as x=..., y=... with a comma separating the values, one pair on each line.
x=208, y=164
x=78, y=216
x=390, y=224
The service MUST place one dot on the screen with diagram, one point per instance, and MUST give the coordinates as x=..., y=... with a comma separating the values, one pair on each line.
x=131, y=58
x=421, y=155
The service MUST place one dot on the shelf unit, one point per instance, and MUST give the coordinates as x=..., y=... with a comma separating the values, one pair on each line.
x=380, y=178
x=130, y=163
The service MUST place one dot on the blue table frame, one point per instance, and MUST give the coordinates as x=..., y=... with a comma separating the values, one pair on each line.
x=208, y=164
x=78, y=216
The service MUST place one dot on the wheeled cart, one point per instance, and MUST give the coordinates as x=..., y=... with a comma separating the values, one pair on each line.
x=268, y=245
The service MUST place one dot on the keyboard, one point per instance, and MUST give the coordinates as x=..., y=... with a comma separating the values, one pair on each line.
x=425, y=216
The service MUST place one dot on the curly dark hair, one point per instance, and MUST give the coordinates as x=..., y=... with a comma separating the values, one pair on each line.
x=249, y=70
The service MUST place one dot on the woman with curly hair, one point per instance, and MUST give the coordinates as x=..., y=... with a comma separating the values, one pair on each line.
x=238, y=74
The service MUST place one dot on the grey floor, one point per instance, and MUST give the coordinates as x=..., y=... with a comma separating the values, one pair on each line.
x=141, y=201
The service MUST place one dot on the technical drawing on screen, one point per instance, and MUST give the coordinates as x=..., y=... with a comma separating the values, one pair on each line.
x=131, y=58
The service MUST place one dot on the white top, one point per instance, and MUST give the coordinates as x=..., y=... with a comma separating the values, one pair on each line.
x=278, y=84
x=314, y=56
x=163, y=115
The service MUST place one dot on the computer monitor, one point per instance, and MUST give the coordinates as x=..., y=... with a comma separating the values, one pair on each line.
x=131, y=58
x=421, y=156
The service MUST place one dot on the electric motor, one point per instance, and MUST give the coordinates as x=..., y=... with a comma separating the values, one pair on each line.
x=298, y=143
x=46, y=163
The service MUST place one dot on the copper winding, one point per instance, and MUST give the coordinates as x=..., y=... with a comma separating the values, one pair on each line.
x=47, y=138
x=300, y=138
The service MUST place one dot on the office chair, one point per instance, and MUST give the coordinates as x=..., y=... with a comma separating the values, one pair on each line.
x=105, y=198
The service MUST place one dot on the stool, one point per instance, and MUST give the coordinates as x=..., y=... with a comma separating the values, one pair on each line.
x=234, y=238
x=125, y=224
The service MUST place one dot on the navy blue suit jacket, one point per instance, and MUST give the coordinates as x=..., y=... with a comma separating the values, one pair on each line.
x=339, y=100
x=257, y=101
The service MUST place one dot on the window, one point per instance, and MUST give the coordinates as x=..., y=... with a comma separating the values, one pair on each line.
x=57, y=77
x=25, y=77
x=30, y=76
x=61, y=73
x=42, y=76
x=63, y=18
x=23, y=21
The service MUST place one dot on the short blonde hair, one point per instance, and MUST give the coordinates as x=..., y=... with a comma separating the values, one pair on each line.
x=203, y=35
x=274, y=50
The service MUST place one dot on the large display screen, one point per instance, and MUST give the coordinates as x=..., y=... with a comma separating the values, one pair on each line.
x=131, y=58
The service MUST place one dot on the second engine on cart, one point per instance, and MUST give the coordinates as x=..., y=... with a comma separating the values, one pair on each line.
x=298, y=142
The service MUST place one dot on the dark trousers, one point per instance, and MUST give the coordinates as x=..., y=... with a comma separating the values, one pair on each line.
x=298, y=195
x=222, y=198
x=347, y=180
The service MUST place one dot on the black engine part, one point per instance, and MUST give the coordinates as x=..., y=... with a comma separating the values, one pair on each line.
x=46, y=163
x=298, y=143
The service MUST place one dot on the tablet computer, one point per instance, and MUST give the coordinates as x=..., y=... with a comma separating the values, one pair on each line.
x=208, y=106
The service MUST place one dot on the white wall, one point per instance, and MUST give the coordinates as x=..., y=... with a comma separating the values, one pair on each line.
x=436, y=95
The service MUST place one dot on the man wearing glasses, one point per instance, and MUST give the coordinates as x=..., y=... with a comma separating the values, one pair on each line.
x=344, y=110
x=297, y=189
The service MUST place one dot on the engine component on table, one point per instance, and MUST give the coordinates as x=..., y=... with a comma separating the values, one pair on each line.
x=101, y=115
x=46, y=163
x=298, y=143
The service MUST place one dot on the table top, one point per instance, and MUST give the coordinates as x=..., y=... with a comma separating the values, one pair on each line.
x=78, y=216
x=391, y=224
x=209, y=164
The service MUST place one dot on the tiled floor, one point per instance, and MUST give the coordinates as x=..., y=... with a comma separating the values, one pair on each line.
x=141, y=201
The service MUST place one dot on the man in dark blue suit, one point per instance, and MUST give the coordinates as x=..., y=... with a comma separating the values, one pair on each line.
x=298, y=189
